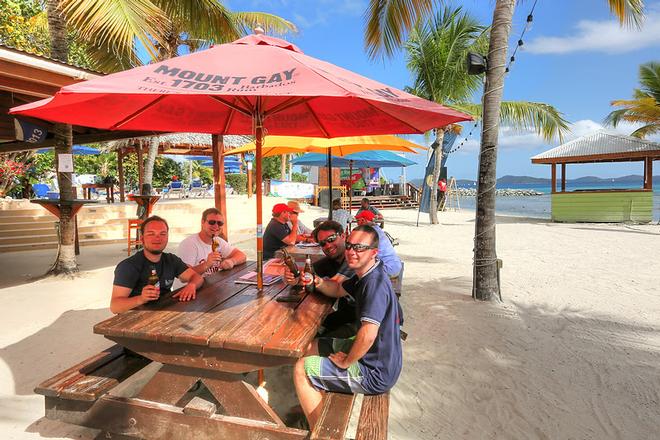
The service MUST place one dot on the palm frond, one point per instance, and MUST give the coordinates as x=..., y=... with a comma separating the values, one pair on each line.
x=389, y=21
x=629, y=12
x=272, y=24
x=646, y=130
x=649, y=78
x=117, y=22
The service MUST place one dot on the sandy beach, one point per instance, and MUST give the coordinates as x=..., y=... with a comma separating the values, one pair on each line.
x=571, y=352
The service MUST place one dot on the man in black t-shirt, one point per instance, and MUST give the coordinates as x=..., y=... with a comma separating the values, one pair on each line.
x=278, y=234
x=131, y=286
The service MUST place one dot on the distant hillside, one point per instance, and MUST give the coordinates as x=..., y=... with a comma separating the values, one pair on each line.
x=505, y=181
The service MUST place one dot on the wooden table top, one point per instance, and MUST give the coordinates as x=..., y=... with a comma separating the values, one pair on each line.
x=226, y=315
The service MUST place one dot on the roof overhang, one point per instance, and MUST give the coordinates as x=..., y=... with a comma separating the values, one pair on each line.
x=614, y=157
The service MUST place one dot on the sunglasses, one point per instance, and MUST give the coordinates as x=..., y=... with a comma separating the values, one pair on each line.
x=215, y=222
x=358, y=247
x=330, y=239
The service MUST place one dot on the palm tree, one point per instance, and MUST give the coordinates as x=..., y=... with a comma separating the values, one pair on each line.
x=436, y=52
x=644, y=108
x=387, y=22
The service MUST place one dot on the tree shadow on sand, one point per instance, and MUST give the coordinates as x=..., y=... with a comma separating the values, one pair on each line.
x=506, y=370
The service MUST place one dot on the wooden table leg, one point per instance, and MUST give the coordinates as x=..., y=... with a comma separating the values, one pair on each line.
x=77, y=242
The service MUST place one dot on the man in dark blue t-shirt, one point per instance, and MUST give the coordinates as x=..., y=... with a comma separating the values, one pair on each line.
x=131, y=287
x=371, y=362
x=278, y=234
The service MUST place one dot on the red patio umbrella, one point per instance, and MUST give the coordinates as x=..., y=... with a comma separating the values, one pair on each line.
x=256, y=85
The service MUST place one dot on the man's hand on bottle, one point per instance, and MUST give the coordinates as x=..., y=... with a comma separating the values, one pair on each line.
x=150, y=293
x=289, y=278
x=213, y=258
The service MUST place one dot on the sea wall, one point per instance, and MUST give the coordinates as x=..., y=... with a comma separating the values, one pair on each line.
x=472, y=192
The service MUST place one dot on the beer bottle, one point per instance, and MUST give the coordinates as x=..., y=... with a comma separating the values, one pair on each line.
x=214, y=243
x=288, y=260
x=153, y=278
x=308, y=275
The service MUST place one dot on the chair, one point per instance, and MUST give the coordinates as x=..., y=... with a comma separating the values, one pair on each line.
x=197, y=189
x=175, y=187
x=134, y=224
x=40, y=190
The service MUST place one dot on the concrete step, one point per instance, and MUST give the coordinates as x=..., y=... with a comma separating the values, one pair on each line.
x=28, y=239
x=21, y=212
x=27, y=218
x=24, y=231
x=53, y=245
x=27, y=225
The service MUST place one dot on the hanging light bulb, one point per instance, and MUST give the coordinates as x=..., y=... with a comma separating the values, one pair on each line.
x=528, y=25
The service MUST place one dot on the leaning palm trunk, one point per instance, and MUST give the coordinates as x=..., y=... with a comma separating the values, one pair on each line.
x=66, y=259
x=485, y=282
x=437, y=166
x=149, y=166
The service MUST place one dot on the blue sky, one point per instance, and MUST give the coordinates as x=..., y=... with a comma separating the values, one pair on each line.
x=576, y=57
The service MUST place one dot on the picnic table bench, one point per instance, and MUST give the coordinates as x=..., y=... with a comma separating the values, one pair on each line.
x=230, y=329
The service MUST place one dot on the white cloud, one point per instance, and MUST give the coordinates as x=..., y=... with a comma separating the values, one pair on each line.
x=602, y=36
x=510, y=139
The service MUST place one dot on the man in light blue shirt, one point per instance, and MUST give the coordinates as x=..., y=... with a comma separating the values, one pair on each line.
x=386, y=252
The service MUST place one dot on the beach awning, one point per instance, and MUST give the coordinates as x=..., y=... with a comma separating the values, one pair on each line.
x=365, y=159
x=600, y=147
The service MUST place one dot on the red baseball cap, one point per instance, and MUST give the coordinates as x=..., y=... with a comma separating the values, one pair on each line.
x=367, y=215
x=280, y=208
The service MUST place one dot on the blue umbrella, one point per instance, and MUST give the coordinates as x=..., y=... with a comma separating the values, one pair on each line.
x=363, y=159
x=80, y=150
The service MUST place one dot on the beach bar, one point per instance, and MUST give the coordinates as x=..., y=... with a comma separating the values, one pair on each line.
x=601, y=205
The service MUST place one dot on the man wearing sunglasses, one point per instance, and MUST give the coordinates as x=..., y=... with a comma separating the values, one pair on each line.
x=196, y=250
x=386, y=252
x=371, y=362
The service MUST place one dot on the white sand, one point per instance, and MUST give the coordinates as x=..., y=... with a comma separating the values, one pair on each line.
x=573, y=352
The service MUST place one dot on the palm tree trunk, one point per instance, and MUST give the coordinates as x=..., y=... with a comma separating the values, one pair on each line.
x=149, y=166
x=59, y=50
x=485, y=282
x=437, y=166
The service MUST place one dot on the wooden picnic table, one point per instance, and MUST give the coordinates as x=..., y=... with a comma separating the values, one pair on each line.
x=109, y=190
x=228, y=330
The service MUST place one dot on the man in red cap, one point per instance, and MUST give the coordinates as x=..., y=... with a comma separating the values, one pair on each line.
x=386, y=252
x=278, y=234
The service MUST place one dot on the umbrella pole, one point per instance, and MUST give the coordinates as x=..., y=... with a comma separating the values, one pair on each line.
x=350, y=188
x=330, y=185
x=259, y=134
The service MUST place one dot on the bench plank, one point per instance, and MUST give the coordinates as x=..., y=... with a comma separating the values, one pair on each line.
x=374, y=415
x=334, y=417
x=93, y=377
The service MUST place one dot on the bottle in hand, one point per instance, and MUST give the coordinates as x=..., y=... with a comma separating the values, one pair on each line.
x=153, y=278
x=288, y=260
x=308, y=275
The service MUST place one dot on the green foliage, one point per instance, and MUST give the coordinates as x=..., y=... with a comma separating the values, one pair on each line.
x=206, y=175
x=164, y=169
x=271, y=167
x=238, y=182
x=22, y=26
x=298, y=177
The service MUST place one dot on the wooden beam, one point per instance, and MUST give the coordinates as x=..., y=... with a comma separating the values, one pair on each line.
x=25, y=86
x=648, y=173
x=120, y=168
x=220, y=193
x=81, y=139
x=630, y=156
x=554, y=178
x=563, y=177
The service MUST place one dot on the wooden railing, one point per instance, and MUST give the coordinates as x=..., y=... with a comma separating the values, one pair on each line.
x=414, y=192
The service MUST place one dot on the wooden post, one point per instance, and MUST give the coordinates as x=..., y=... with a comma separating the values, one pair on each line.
x=563, y=177
x=283, y=168
x=120, y=168
x=140, y=166
x=648, y=173
x=554, y=178
x=218, y=146
x=249, y=178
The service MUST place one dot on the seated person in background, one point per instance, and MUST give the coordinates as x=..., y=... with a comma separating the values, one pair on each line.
x=365, y=206
x=371, y=362
x=303, y=231
x=340, y=215
x=131, y=287
x=386, y=252
x=334, y=270
x=278, y=234
x=196, y=252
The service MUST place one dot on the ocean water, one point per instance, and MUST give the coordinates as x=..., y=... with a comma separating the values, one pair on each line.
x=539, y=206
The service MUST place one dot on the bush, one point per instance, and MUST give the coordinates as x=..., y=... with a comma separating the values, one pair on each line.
x=238, y=182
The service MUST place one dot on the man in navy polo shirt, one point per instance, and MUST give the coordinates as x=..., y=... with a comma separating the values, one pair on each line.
x=278, y=234
x=369, y=363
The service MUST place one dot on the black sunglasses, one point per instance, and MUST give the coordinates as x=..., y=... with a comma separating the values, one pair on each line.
x=358, y=247
x=330, y=239
x=215, y=222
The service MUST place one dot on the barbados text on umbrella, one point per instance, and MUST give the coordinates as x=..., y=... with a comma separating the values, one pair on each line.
x=254, y=84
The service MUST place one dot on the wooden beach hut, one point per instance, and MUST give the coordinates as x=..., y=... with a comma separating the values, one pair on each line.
x=601, y=205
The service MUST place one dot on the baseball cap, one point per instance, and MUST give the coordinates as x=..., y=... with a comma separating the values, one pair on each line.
x=280, y=208
x=294, y=206
x=367, y=215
